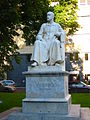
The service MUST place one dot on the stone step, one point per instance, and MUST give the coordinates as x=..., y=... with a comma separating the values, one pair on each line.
x=85, y=114
x=74, y=114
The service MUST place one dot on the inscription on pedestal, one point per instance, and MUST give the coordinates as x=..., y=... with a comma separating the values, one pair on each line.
x=45, y=87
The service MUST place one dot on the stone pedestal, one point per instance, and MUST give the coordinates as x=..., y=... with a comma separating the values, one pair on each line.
x=47, y=96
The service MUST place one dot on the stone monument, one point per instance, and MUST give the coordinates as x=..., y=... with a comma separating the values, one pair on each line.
x=49, y=44
x=47, y=96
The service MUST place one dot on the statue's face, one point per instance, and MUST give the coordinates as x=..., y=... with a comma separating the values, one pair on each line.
x=49, y=16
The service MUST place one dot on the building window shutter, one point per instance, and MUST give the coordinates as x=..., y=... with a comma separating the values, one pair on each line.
x=88, y=2
x=76, y=56
x=86, y=56
x=71, y=57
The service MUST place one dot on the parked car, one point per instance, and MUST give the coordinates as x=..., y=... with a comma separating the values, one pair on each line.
x=79, y=87
x=9, y=82
x=7, y=88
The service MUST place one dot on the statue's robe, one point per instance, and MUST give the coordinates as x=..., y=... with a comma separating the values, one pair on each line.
x=47, y=47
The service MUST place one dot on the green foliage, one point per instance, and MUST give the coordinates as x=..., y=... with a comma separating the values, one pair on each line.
x=81, y=98
x=33, y=14
x=9, y=16
x=65, y=14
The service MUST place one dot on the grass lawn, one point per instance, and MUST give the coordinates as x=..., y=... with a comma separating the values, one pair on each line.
x=15, y=100
x=81, y=98
x=10, y=100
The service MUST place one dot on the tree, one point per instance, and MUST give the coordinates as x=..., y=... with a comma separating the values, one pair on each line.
x=9, y=17
x=66, y=15
x=33, y=14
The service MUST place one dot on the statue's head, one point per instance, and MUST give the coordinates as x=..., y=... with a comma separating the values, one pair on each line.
x=50, y=16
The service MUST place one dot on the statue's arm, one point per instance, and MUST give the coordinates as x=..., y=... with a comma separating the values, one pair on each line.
x=62, y=40
x=62, y=34
x=40, y=34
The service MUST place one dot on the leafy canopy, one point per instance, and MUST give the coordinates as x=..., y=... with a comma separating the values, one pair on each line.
x=66, y=15
x=8, y=18
x=30, y=13
x=33, y=15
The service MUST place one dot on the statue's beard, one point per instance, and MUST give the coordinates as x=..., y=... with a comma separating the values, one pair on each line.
x=49, y=20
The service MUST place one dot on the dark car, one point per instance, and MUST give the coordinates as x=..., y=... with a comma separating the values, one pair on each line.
x=9, y=82
x=7, y=88
x=79, y=87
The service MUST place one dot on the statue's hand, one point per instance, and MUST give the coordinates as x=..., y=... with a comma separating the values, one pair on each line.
x=57, y=34
x=39, y=38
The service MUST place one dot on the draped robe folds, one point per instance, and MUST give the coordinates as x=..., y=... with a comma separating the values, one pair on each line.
x=47, y=46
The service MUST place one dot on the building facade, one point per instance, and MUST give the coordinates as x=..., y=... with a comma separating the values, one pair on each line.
x=17, y=73
x=81, y=38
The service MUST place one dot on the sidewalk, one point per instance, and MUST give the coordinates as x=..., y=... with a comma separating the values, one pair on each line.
x=20, y=89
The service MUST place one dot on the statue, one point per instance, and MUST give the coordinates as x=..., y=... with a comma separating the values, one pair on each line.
x=49, y=44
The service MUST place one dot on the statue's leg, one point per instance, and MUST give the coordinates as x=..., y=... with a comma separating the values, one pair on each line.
x=39, y=52
x=55, y=52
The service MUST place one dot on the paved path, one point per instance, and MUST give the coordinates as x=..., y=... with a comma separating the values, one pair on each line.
x=4, y=115
x=85, y=113
x=20, y=89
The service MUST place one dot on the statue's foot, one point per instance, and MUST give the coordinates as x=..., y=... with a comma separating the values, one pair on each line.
x=43, y=64
x=57, y=64
x=34, y=64
x=62, y=61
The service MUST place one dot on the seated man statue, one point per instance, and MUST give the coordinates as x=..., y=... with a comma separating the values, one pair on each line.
x=49, y=44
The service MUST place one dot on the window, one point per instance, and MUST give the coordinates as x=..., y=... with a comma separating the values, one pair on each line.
x=73, y=56
x=88, y=2
x=84, y=2
x=86, y=56
x=76, y=56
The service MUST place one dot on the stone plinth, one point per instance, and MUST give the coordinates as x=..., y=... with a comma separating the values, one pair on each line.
x=74, y=114
x=46, y=83
x=47, y=96
x=47, y=106
x=46, y=91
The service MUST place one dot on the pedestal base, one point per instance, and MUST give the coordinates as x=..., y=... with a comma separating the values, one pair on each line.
x=58, y=106
x=47, y=96
x=74, y=114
